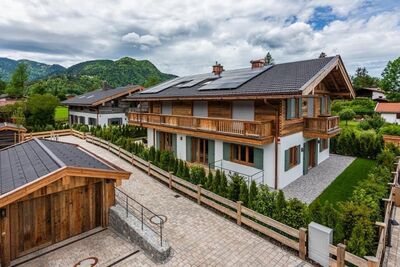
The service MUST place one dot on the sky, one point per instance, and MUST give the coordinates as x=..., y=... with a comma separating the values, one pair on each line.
x=188, y=36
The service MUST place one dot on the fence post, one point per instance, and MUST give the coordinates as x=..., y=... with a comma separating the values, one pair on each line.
x=239, y=212
x=170, y=180
x=199, y=194
x=302, y=243
x=148, y=168
x=372, y=261
x=340, y=255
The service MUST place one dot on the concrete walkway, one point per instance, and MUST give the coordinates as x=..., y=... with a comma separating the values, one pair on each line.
x=392, y=254
x=198, y=237
x=308, y=187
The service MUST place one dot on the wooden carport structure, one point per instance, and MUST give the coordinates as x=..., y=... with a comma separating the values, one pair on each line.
x=10, y=134
x=51, y=191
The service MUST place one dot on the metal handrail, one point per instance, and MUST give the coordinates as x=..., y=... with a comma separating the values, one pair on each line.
x=249, y=178
x=140, y=212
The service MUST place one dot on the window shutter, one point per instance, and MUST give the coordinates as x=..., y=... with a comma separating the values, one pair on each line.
x=310, y=107
x=300, y=107
x=188, y=148
x=329, y=105
x=259, y=158
x=298, y=153
x=227, y=151
x=287, y=159
x=158, y=140
x=288, y=107
x=320, y=145
x=174, y=137
x=211, y=151
x=293, y=108
x=322, y=105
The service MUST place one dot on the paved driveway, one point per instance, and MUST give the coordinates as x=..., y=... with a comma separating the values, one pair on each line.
x=308, y=187
x=198, y=237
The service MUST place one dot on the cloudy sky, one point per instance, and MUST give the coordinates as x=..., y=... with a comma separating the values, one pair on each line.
x=188, y=36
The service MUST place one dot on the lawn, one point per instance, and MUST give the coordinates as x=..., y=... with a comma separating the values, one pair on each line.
x=350, y=124
x=342, y=187
x=61, y=114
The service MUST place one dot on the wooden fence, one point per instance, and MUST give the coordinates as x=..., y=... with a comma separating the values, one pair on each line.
x=291, y=237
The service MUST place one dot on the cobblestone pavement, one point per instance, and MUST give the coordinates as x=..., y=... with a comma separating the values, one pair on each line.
x=106, y=246
x=392, y=254
x=198, y=236
x=308, y=187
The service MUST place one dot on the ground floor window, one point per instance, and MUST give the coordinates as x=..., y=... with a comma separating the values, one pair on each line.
x=323, y=145
x=92, y=121
x=242, y=154
x=115, y=121
x=199, y=150
x=292, y=157
x=81, y=120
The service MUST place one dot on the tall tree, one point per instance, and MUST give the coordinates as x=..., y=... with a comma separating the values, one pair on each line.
x=3, y=86
x=40, y=109
x=269, y=59
x=363, y=80
x=391, y=76
x=17, y=86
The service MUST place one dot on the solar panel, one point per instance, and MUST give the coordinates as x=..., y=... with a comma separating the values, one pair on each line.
x=162, y=86
x=197, y=79
x=233, y=79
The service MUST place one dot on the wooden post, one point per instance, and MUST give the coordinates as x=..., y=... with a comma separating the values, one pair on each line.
x=170, y=180
x=148, y=168
x=239, y=212
x=199, y=194
x=302, y=243
x=372, y=261
x=341, y=254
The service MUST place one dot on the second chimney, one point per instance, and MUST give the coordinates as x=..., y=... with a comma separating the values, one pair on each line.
x=217, y=69
x=257, y=63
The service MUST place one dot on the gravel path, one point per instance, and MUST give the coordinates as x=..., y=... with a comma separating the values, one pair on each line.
x=308, y=187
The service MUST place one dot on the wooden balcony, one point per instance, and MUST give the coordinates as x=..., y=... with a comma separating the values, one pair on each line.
x=322, y=127
x=251, y=132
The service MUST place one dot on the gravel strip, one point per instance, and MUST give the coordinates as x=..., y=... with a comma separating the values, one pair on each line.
x=308, y=187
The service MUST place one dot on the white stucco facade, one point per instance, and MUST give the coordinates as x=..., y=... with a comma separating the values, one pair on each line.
x=390, y=117
x=102, y=118
x=286, y=142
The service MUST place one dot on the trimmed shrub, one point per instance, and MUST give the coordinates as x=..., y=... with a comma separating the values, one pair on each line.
x=244, y=193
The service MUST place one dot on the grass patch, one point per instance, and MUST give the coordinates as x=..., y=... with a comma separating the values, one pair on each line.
x=61, y=114
x=350, y=124
x=343, y=186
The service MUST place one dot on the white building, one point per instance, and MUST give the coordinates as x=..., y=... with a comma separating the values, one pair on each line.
x=101, y=107
x=269, y=123
x=389, y=111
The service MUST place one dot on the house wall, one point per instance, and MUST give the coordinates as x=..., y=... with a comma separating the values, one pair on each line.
x=102, y=118
x=390, y=117
x=150, y=137
x=181, y=146
x=324, y=154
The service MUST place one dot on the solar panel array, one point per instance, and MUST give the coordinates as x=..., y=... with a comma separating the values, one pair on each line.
x=227, y=80
x=233, y=79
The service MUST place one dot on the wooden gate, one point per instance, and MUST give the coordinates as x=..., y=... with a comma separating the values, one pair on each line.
x=42, y=221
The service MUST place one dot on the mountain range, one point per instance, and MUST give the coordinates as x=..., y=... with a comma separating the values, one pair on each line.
x=117, y=73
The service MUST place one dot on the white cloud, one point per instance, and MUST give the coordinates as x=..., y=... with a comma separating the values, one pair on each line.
x=146, y=39
x=188, y=36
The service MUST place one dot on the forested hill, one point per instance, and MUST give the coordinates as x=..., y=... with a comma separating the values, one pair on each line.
x=37, y=70
x=84, y=76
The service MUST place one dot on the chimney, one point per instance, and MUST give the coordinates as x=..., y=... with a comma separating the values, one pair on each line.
x=105, y=85
x=217, y=69
x=257, y=63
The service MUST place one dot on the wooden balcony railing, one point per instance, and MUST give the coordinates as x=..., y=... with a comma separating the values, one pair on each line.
x=252, y=129
x=323, y=126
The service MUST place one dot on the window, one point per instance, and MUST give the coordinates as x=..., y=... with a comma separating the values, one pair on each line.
x=323, y=145
x=242, y=154
x=114, y=103
x=398, y=116
x=82, y=120
x=292, y=157
x=293, y=108
x=92, y=121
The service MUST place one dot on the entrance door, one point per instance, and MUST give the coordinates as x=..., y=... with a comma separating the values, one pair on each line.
x=310, y=155
x=43, y=221
x=200, y=150
x=165, y=141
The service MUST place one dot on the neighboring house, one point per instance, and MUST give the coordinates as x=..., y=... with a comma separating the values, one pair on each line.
x=268, y=123
x=100, y=107
x=375, y=94
x=49, y=192
x=10, y=134
x=389, y=111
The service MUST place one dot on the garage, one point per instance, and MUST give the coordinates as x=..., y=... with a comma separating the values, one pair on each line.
x=51, y=191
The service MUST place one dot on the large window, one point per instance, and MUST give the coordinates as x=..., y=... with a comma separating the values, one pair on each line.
x=293, y=108
x=323, y=145
x=200, y=150
x=92, y=121
x=242, y=154
x=292, y=157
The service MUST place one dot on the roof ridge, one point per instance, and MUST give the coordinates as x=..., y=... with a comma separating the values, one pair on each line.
x=50, y=153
